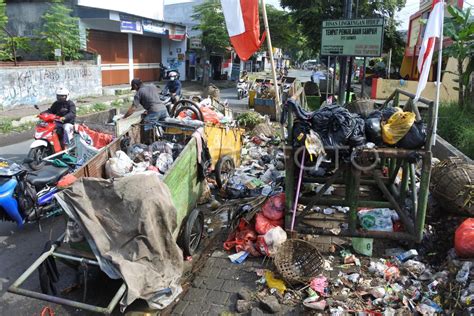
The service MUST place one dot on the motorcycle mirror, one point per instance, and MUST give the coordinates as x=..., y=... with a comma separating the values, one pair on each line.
x=36, y=106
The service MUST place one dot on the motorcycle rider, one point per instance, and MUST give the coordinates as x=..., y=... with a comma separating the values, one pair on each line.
x=149, y=97
x=173, y=87
x=244, y=76
x=66, y=110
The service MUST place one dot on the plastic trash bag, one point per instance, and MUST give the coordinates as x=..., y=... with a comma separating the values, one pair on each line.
x=118, y=166
x=377, y=219
x=274, y=238
x=415, y=138
x=274, y=207
x=397, y=127
x=373, y=128
x=464, y=239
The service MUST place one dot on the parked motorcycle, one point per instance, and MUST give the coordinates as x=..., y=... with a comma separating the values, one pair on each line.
x=47, y=141
x=242, y=89
x=26, y=196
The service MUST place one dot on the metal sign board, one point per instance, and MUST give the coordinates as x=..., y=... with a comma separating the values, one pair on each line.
x=154, y=27
x=356, y=37
x=131, y=27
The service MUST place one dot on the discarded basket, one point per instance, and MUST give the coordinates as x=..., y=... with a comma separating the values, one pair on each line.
x=298, y=261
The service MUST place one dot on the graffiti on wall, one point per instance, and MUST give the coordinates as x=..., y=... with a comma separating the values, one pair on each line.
x=32, y=85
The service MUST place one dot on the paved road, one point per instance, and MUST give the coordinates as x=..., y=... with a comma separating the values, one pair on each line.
x=16, y=152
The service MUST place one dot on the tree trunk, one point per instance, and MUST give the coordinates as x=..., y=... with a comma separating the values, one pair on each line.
x=460, y=84
x=14, y=51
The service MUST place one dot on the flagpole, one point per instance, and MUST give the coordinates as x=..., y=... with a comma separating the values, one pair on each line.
x=272, y=62
x=438, y=80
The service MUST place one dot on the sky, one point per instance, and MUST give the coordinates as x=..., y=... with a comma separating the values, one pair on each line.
x=403, y=16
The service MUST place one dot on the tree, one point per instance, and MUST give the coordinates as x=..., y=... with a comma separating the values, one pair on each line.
x=214, y=33
x=311, y=13
x=460, y=28
x=9, y=43
x=212, y=25
x=61, y=30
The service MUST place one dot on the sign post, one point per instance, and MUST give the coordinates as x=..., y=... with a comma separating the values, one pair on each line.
x=355, y=37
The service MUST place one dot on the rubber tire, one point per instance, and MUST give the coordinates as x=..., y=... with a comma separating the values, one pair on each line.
x=194, y=225
x=239, y=95
x=197, y=112
x=33, y=154
x=221, y=182
x=181, y=103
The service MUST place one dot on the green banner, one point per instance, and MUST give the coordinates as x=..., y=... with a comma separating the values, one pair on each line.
x=357, y=37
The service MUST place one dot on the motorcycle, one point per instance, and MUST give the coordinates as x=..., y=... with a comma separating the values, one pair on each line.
x=27, y=196
x=165, y=72
x=46, y=142
x=242, y=89
x=169, y=101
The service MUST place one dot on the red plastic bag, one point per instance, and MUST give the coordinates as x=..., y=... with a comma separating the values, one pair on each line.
x=263, y=224
x=242, y=238
x=274, y=207
x=464, y=239
x=97, y=139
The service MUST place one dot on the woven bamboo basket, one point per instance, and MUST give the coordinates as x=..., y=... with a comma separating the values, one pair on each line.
x=298, y=261
x=452, y=185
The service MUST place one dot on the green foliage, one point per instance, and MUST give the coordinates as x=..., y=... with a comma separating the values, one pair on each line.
x=9, y=43
x=61, y=30
x=5, y=125
x=249, y=119
x=212, y=25
x=460, y=28
x=455, y=126
x=97, y=107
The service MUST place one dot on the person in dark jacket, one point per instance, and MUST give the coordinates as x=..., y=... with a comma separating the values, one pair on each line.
x=66, y=110
x=173, y=87
x=147, y=96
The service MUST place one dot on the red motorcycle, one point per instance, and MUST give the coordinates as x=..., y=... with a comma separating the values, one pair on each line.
x=46, y=142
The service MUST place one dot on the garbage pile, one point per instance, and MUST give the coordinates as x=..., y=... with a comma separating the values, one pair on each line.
x=137, y=158
x=262, y=170
x=206, y=111
x=398, y=283
x=336, y=126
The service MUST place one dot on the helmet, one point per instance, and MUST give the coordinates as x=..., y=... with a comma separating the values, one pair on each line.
x=173, y=75
x=62, y=94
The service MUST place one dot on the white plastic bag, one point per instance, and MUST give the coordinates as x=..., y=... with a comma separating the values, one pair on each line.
x=164, y=162
x=274, y=238
x=118, y=166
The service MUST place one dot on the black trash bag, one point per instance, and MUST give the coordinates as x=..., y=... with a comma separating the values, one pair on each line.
x=373, y=128
x=387, y=112
x=338, y=127
x=300, y=130
x=415, y=138
x=357, y=137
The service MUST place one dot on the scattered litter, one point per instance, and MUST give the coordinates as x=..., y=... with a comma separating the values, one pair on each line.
x=274, y=283
x=239, y=257
x=320, y=284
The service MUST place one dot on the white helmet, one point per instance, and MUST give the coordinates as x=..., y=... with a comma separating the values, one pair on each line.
x=173, y=75
x=62, y=92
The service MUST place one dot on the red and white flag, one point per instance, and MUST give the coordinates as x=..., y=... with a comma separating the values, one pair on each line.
x=433, y=30
x=243, y=26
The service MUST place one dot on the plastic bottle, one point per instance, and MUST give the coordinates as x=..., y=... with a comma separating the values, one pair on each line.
x=407, y=255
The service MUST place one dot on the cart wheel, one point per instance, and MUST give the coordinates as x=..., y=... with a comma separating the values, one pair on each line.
x=192, y=232
x=224, y=170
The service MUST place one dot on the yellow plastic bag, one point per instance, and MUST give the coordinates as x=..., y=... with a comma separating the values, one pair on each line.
x=274, y=283
x=397, y=127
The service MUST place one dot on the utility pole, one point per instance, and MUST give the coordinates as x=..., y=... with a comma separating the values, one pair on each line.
x=272, y=61
x=351, y=59
x=343, y=73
